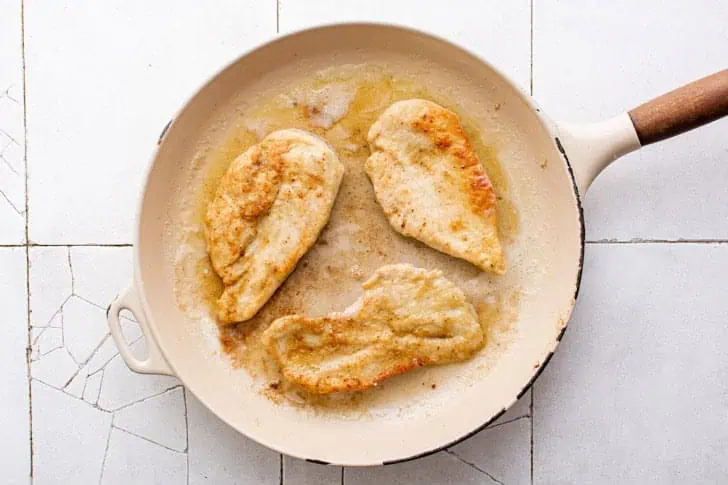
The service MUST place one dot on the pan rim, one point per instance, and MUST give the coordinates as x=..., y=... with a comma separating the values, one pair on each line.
x=535, y=108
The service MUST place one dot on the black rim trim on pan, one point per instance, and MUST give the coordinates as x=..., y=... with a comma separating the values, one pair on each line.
x=548, y=357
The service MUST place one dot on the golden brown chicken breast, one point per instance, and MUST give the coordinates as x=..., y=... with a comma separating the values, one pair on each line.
x=431, y=184
x=407, y=318
x=268, y=211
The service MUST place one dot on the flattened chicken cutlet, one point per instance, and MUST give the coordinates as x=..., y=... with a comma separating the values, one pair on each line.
x=431, y=184
x=268, y=211
x=408, y=317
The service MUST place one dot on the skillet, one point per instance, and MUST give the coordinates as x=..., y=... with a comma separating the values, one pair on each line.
x=549, y=167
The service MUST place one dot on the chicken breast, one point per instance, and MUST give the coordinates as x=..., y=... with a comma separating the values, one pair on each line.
x=431, y=184
x=407, y=318
x=268, y=211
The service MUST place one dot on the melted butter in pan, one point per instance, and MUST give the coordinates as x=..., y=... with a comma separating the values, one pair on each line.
x=340, y=105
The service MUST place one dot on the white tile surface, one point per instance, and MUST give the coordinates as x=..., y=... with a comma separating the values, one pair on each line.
x=81, y=386
x=127, y=388
x=521, y=408
x=52, y=285
x=83, y=328
x=637, y=392
x=69, y=438
x=482, y=26
x=131, y=459
x=160, y=419
x=220, y=455
x=104, y=78
x=594, y=59
x=300, y=472
x=14, y=421
x=97, y=272
x=503, y=451
x=435, y=469
x=55, y=369
x=12, y=129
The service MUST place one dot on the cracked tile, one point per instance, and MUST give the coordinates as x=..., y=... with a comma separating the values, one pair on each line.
x=132, y=64
x=218, y=454
x=521, y=408
x=12, y=187
x=503, y=451
x=77, y=386
x=102, y=356
x=12, y=128
x=69, y=438
x=46, y=340
x=159, y=419
x=637, y=391
x=92, y=388
x=84, y=328
x=131, y=331
x=14, y=405
x=86, y=375
x=91, y=267
x=130, y=459
x=122, y=387
x=95, y=366
x=301, y=472
x=50, y=283
x=56, y=369
x=55, y=322
x=438, y=468
x=91, y=374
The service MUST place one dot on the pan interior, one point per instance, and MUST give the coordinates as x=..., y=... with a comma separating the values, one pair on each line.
x=410, y=414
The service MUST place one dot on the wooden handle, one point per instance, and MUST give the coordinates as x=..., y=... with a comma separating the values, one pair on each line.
x=678, y=111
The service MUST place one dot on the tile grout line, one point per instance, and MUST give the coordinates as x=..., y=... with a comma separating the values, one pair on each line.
x=155, y=443
x=473, y=466
x=146, y=398
x=27, y=249
x=530, y=404
x=27, y=245
x=280, y=469
x=657, y=241
x=187, y=434
x=509, y=421
x=106, y=450
x=531, y=423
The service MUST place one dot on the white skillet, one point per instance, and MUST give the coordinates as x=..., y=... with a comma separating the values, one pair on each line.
x=547, y=267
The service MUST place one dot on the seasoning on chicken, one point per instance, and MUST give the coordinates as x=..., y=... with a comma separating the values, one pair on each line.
x=408, y=317
x=268, y=211
x=431, y=184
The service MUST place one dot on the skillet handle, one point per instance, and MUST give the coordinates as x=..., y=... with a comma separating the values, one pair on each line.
x=154, y=363
x=683, y=109
x=591, y=147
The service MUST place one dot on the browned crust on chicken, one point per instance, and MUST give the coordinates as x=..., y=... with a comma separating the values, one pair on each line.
x=407, y=318
x=268, y=210
x=431, y=185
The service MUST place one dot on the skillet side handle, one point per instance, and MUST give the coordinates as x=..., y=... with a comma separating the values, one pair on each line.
x=590, y=147
x=154, y=363
x=683, y=109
